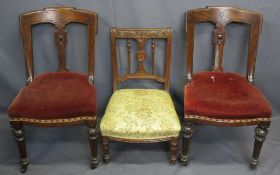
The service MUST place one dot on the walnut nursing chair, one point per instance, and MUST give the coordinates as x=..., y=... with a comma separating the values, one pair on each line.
x=61, y=98
x=140, y=115
x=222, y=98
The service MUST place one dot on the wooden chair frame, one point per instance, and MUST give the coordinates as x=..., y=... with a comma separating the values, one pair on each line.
x=221, y=16
x=59, y=17
x=140, y=35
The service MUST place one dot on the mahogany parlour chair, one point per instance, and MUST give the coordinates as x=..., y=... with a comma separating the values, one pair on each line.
x=59, y=98
x=222, y=98
x=140, y=115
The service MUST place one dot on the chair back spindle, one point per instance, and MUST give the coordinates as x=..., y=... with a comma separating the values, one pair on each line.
x=141, y=36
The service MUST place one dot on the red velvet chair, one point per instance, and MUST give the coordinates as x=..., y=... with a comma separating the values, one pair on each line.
x=56, y=98
x=223, y=98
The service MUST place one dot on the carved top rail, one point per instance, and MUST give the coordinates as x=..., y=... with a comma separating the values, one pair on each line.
x=60, y=17
x=221, y=16
x=141, y=35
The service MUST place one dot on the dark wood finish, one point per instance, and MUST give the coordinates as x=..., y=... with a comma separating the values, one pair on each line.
x=92, y=137
x=60, y=17
x=173, y=150
x=18, y=133
x=260, y=134
x=106, y=149
x=221, y=16
x=188, y=129
x=141, y=36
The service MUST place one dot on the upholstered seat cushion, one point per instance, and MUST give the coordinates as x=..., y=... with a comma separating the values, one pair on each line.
x=55, y=95
x=224, y=96
x=140, y=114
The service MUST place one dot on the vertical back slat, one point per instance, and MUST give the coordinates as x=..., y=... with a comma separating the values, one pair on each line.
x=129, y=54
x=61, y=42
x=153, y=55
x=219, y=41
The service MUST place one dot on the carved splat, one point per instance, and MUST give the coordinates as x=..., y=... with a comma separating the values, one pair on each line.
x=221, y=16
x=59, y=17
x=141, y=55
x=141, y=35
x=219, y=41
x=61, y=41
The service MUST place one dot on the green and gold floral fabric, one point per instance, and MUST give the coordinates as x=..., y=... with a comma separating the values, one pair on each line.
x=140, y=114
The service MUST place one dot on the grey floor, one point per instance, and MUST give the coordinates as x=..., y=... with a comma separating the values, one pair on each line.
x=214, y=150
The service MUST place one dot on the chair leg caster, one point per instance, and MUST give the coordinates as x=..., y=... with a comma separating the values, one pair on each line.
x=24, y=165
x=254, y=163
x=184, y=159
x=94, y=163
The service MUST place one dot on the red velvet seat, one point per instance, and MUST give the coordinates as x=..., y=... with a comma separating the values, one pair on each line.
x=60, y=98
x=221, y=98
x=57, y=95
x=222, y=95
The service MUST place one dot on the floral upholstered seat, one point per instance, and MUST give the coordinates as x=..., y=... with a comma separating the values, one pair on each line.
x=140, y=114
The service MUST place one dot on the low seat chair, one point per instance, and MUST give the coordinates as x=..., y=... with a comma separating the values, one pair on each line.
x=140, y=115
x=224, y=98
x=56, y=98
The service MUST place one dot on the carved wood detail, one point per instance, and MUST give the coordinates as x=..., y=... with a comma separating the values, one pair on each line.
x=221, y=16
x=219, y=41
x=141, y=36
x=61, y=41
x=60, y=17
x=141, y=33
x=141, y=55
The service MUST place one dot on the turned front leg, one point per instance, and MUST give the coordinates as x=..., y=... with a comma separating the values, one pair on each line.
x=260, y=134
x=18, y=133
x=188, y=129
x=92, y=133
